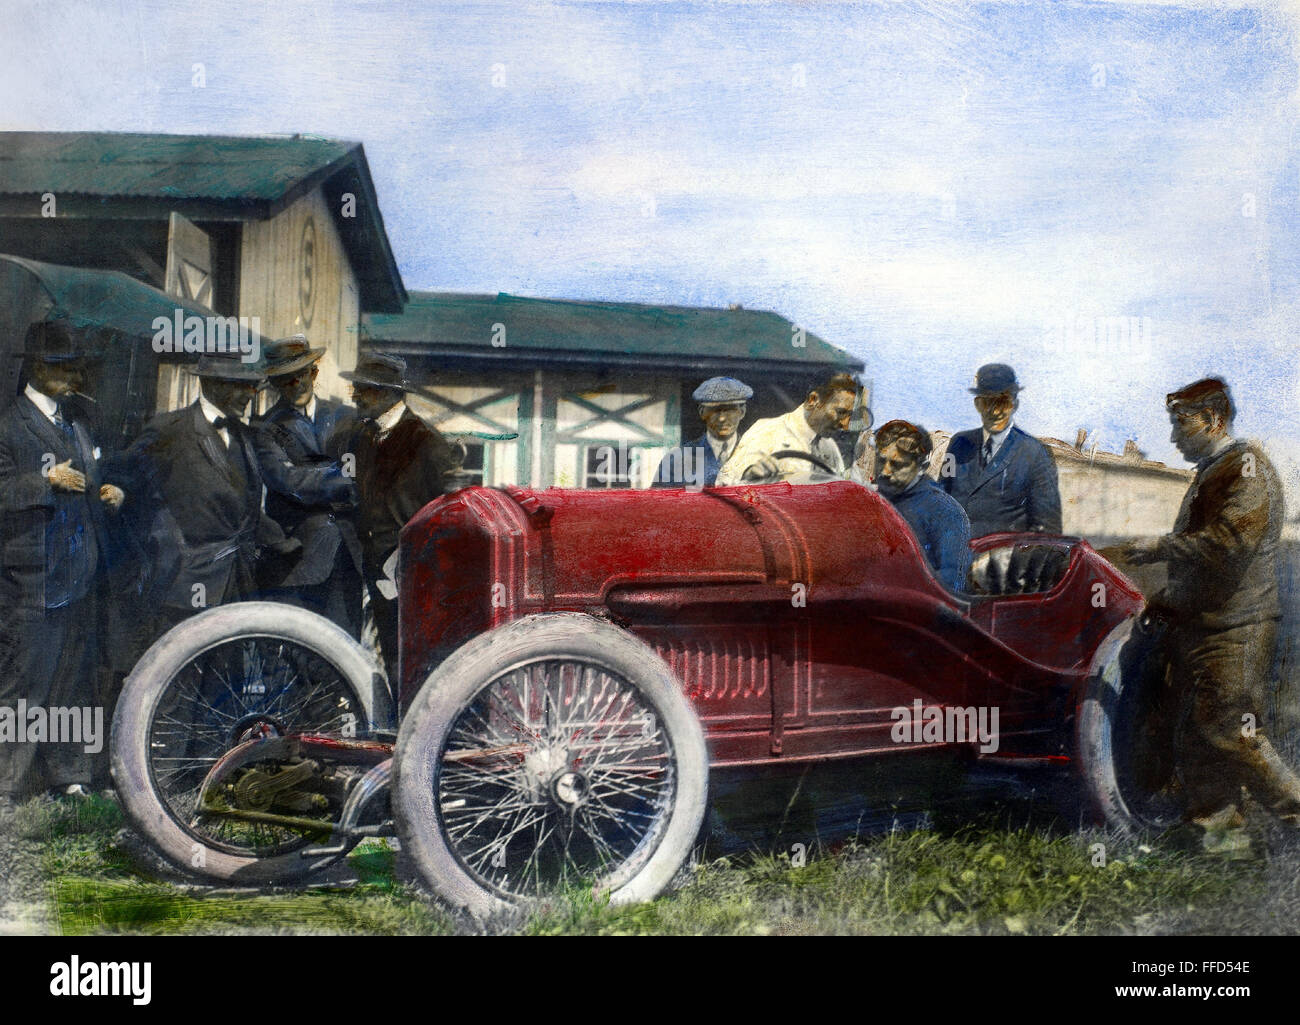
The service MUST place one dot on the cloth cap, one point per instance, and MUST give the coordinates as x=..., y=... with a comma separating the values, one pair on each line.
x=722, y=389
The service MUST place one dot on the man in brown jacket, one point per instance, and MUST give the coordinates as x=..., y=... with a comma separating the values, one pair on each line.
x=401, y=465
x=1222, y=604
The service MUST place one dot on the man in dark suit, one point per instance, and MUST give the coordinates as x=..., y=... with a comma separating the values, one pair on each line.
x=54, y=513
x=1004, y=478
x=402, y=464
x=201, y=487
x=696, y=463
x=326, y=575
x=1222, y=606
x=937, y=521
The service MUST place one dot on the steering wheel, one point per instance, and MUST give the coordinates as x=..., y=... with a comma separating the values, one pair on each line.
x=791, y=453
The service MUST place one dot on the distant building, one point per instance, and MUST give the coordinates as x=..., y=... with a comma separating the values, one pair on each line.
x=1107, y=495
x=285, y=229
x=593, y=392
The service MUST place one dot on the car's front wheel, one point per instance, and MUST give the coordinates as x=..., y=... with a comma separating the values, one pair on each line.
x=555, y=753
x=1125, y=733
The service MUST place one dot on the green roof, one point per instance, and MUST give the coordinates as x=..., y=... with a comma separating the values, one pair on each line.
x=456, y=328
x=164, y=166
x=109, y=175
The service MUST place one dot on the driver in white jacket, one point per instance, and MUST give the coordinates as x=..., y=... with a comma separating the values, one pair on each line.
x=806, y=428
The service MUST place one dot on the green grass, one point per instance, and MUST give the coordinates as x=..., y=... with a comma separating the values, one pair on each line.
x=92, y=889
x=979, y=881
x=986, y=877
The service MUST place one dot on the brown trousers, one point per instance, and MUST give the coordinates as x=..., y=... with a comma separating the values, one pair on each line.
x=1221, y=680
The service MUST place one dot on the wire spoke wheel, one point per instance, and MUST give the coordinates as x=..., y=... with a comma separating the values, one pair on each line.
x=229, y=693
x=221, y=678
x=557, y=773
x=554, y=753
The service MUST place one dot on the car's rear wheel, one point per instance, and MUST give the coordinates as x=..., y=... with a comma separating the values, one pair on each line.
x=218, y=679
x=1125, y=733
x=555, y=753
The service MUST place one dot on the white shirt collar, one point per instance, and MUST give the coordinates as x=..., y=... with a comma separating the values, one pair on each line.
x=387, y=421
x=43, y=402
x=310, y=410
x=210, y=413
x=1000, y=438
x=721, y=449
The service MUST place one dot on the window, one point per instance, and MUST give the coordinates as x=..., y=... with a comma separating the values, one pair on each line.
x=475, y=460
x=607, y=466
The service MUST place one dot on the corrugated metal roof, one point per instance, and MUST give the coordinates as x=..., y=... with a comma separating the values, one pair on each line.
x=449, y=321
x=164, y=166
x=205, y=177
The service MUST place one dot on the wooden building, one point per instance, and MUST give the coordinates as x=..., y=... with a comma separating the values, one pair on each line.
x=284, y=229
x=588, y=394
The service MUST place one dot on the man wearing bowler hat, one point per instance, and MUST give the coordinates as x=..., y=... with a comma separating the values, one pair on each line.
x=696, y=463
x=55, y=512
x=402, y=464
x=1004, y=478
x=326, y=575
x=201, y=484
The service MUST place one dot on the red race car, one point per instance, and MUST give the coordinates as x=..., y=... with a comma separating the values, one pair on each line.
x=573, y=663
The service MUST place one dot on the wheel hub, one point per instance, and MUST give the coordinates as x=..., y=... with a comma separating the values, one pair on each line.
x=569, y=789
x=255, y=726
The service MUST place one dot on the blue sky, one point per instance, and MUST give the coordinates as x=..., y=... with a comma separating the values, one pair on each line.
x=927, y=185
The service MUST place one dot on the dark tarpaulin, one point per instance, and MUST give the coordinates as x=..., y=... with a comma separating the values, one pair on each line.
x=112, y=314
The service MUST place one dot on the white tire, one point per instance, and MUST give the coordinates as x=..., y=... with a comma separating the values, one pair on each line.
x=557, y=751
x=267, y=659
x=1117, y=737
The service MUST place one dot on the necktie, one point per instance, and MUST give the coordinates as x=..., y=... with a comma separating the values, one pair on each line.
x=62, y=422
x=986, y=453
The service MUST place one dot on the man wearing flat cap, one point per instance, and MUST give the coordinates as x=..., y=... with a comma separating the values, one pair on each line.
x=200, y=484
x=696, y=463
x=1222, y=607
x=326, y=574
x=1004, y=478
x=55, y=513
x=402, y=464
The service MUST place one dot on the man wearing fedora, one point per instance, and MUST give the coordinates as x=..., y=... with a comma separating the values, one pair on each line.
x=696, y=463
x=1004, y=478
x=55, y=512
x=200, y=484
x=326, y=574
x=402, y=464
